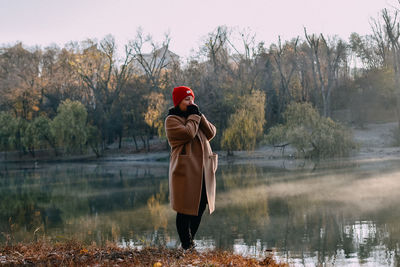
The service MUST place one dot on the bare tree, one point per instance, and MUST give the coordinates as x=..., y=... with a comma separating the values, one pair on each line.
x=286, y=59
x=391, y=29
x=154, y=63
x=247, y=69
x=215, y=47
x=59, y=80
x=325, y=62
x=105, y=76
x=20, y=80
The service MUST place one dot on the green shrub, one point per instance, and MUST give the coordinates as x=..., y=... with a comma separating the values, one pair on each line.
x=311, y=134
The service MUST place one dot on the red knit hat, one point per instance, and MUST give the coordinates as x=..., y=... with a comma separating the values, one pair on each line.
x=180, y=93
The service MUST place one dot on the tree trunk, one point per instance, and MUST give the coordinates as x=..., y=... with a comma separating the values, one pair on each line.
x=96, y=150
x=143, y=141
x=136, y=144
x=397, y=83
x=148, y=143
x=328, y=103
x=32, y=151
x=398, y=108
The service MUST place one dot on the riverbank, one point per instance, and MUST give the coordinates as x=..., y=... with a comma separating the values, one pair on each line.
x=375, y=142
x=44, y=253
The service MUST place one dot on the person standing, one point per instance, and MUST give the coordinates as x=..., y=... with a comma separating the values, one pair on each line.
x=192, y=164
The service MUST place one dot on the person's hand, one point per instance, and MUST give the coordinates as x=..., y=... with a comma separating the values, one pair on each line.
x=193, y=109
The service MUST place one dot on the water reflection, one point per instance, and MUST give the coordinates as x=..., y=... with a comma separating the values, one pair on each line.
x=335, y=214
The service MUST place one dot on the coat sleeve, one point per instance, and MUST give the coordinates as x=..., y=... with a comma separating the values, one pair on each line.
x=207, y=127
x=179, y=133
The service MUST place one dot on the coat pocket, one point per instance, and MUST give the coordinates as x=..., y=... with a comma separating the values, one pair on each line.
x=214, y=161
x=181, y=167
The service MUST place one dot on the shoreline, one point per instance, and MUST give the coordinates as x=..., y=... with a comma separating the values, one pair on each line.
x=375, y=143
x=45, y=253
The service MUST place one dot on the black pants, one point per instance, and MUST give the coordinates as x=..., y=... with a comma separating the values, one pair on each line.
x=187, y=225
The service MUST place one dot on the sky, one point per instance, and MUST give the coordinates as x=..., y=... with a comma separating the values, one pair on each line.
x=46, y=22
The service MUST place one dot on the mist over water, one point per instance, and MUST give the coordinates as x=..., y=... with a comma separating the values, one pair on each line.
x=334, y=213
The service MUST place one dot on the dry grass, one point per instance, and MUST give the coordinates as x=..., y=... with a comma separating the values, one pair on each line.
x=72, y=253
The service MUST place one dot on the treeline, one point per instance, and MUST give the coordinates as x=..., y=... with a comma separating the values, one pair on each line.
x=244, y=90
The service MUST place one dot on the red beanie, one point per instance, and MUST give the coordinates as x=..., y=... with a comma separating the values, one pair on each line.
x=180, y=93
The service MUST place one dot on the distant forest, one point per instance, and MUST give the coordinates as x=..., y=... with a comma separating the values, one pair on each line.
x=87, y=95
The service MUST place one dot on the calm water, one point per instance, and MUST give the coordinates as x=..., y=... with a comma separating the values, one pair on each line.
x=341, y=214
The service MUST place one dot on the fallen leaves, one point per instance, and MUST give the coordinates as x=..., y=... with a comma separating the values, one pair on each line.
x=45, y=253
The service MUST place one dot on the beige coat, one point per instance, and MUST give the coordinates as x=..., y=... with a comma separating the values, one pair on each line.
x=191, y=156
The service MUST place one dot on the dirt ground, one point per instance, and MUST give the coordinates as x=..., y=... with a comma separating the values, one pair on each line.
x=376, y=141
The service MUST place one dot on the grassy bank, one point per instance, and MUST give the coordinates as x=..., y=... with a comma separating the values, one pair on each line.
x=72, y=253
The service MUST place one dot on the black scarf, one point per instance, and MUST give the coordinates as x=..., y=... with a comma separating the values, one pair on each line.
x=178, y=112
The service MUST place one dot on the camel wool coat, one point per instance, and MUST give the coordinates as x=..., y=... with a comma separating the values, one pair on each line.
x=191, y=156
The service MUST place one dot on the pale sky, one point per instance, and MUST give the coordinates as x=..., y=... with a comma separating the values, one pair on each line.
x=43, y=22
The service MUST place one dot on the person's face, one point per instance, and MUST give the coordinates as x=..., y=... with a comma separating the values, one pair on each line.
x=187, y=101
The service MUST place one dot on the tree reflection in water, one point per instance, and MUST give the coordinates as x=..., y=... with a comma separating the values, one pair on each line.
x=339, y=214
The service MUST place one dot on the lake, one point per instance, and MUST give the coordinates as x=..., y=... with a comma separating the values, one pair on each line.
x=338, y=213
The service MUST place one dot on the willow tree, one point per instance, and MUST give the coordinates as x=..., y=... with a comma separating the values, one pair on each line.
x=69, y=127
x=246, y=125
